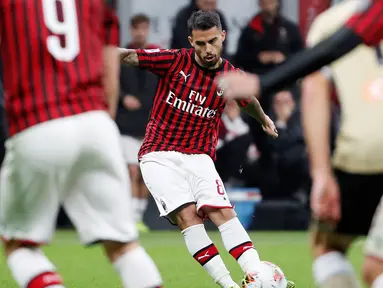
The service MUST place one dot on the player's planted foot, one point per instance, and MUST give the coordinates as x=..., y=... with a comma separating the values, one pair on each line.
x=290, y=284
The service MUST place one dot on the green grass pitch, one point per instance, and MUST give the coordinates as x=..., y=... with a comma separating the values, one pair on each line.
x=87, y=267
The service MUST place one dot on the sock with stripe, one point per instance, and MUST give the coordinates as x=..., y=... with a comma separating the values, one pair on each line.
x=31, y=269
x=239, y=245
x=205, y=253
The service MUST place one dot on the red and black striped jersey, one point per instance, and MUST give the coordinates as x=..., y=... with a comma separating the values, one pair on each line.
x=52, y=56
x=188, y=105
x=368, y=23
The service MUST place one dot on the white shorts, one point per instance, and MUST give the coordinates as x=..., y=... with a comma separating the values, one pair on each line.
x=374, y=241
x=75, y=162
x=130, y=147
x=175, y=179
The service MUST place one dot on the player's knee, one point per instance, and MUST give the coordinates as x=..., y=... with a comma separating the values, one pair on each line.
x=372, y=268
x=115, y=250
x=325, y=242
x=219, y=216
x=186, y=216
x=10, y=246
x=134, y=173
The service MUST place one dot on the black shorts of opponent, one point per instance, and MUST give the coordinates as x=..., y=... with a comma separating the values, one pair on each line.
x=360, y=195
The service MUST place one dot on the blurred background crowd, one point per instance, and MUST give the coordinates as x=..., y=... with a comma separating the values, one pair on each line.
x=262, y=34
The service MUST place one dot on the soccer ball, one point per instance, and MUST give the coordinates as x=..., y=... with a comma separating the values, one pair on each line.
x=268, y=276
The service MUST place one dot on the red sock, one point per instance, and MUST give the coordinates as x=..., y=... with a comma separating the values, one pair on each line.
x=45, y=280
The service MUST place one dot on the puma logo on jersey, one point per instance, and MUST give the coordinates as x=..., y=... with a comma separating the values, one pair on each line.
x=184, y=75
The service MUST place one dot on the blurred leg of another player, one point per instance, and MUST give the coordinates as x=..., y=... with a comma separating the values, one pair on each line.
x=373, y=260
x=140, y=192
x=77, y=162
x=187, y=188
x=140, y=197
x=331, y=267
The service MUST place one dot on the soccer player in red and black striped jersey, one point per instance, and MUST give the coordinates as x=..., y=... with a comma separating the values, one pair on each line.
x=61, y=72
x=365, y=26
x=176, y=158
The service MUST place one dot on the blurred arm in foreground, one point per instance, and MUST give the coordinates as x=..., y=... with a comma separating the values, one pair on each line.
x=365, y=26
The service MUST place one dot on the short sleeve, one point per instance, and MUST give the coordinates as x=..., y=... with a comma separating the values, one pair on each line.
x=368, y=24
x=243, y=103
x=111, y=28
x=158, y=61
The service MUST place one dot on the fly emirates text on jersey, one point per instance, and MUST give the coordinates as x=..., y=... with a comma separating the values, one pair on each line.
x=189, y=107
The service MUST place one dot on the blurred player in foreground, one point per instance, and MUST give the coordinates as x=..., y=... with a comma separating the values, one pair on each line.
x=345, y=194
x=365, y=25
x=61, y=60
x=176, y=158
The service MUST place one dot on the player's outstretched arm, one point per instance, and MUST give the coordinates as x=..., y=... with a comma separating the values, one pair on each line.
x=254, y=109
x=128, y=56
x=363, y=27
x=301, y=64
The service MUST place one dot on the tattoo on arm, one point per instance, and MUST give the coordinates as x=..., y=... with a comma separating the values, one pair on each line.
x=128, y=56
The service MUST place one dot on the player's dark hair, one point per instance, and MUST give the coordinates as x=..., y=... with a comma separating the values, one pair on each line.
x=204, y=20
x=139, y=19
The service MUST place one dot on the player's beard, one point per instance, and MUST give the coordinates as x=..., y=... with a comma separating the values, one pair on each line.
x=211, y=62
x=208, y=63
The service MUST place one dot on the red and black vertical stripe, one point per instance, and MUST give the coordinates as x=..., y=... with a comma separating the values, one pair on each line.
x=162, y=110
x=171, y=129
x=173, y=116
x=40, y=87
x=84, y=64
x=111, y=31
x=199, y=81
x=13, y=23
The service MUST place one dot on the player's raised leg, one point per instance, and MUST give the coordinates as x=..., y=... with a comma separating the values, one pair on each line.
x=331, y=268
x=213, y=202
x=142, y=204
x=139, y=196
x=234, y=236
x=140, y=193
x=174, y=198
x=330, y=243
x=100, y=207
